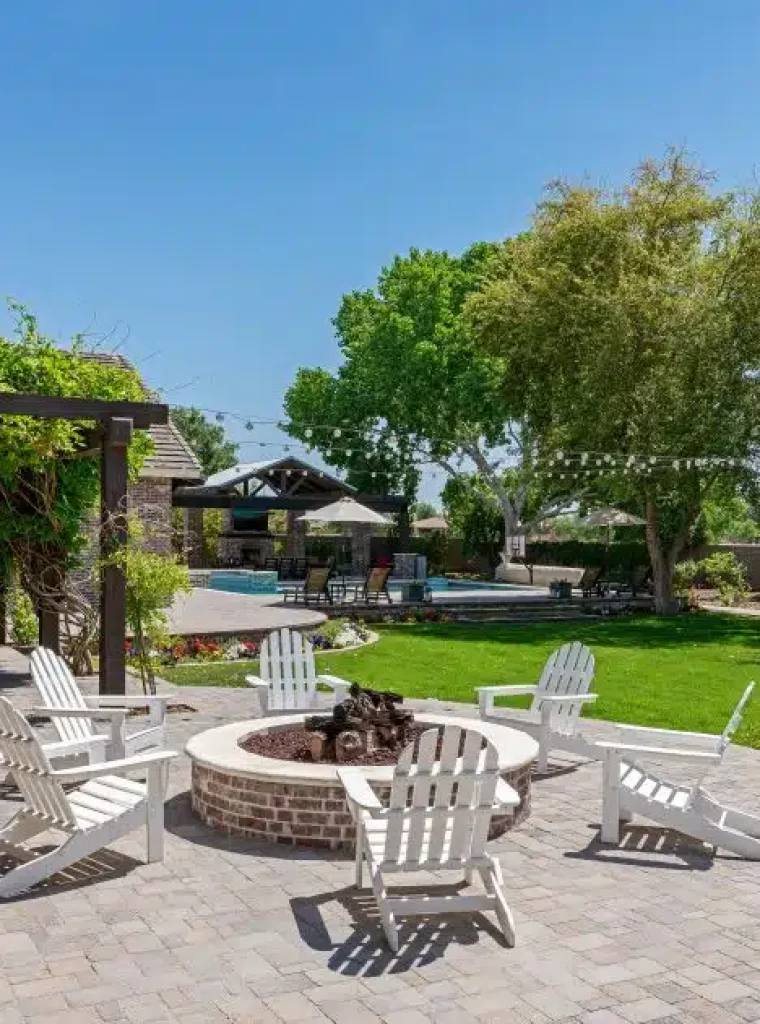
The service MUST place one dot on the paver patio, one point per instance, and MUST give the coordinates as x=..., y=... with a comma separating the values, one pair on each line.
x=227, y=931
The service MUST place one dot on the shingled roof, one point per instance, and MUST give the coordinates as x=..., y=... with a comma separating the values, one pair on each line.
x=172, y=457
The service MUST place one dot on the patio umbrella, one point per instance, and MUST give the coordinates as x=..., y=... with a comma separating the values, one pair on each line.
x=345, y=511
x=611, y=517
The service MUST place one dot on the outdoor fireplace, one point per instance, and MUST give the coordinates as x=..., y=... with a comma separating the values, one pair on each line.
x=366, y=722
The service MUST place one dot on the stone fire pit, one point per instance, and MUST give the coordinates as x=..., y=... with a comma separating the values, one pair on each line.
x=303, y=804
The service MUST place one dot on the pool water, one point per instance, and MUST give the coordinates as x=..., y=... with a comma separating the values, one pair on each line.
x=249, y=582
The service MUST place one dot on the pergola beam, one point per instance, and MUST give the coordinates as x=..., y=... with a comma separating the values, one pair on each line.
x=190, y=497
x=55, y=407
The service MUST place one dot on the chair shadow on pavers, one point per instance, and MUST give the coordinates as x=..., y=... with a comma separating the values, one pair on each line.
x=105, y=865
x=365, y=952
x=643, y=839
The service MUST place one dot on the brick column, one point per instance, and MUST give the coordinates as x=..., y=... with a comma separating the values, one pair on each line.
x=361, y=536
x=192, y=541
x=295, y=536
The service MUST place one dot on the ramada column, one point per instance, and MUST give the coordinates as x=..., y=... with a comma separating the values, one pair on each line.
x=295, y=535
x=361, y=539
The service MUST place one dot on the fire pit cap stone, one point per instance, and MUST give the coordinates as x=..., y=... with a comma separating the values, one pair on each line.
x=220, y=750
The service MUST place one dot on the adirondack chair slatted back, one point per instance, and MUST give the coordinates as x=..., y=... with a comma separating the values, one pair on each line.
x=442, y=798
x=22, y=752
x=735, y=720
x=569, y=670
x=287, y=664
x=58, y=689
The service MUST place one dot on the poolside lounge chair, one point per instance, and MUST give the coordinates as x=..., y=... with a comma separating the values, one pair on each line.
x=73, y=714
x=105, y=807
x=375, y=586
x=589, y=581
x=631, y=789
x=315, y=588
x=442, y=798
x=285, y=568
x=558, y=700
x=271, y=565
x=288, y=679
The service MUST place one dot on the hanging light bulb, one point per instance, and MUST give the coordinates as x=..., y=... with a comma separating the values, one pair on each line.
x=676, y=465
x=220, y=417
x=308, y=432
x=608, y=458
x=304, y=472
x=337, y=432
x=248, y=425
x=328, y=453
x=653, y=460
x=688, y=463
x=598, y=462
x=271, y=472
x=349, y=453
x=288, y=472
x=560, y=455
x=584, y=458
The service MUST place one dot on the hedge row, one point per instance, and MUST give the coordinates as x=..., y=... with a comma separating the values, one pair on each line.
x=624, y=555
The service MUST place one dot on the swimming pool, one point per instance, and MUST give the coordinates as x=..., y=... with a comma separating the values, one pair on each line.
x=246, y=581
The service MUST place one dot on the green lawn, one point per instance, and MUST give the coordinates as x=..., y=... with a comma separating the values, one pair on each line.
x=682, y=673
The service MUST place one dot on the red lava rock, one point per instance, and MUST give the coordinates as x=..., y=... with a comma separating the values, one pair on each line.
x=295, y=744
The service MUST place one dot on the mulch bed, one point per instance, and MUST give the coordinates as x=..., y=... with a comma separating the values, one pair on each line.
x=294, y=744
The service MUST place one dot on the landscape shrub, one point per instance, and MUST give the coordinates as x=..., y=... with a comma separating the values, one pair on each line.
x=24, y=622
x=724, y=572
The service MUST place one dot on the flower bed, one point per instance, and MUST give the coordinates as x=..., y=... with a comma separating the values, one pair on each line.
x=335, y=635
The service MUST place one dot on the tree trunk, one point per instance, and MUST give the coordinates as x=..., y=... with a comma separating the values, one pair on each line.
x=663, y=562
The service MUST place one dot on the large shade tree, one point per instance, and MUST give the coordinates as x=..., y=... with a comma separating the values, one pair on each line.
x=208, y=440
x=413, y=388
x=629, y=324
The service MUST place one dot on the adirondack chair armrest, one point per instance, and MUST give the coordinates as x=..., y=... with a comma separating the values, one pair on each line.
x=516, y=690
x=132, y=701
x=104, y=714
x=505, y=795
x=359, y=791
x=564, y=698
x=703, y=756
x=340, y=686
x=120, y=767
x=645, y=730
x=486, y=694
x=155, y=703
x=256, y=681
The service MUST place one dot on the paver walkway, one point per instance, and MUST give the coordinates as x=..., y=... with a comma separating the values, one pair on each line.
x=228, y=931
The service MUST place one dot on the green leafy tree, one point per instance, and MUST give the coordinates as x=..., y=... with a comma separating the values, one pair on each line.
x=726, y=519
x=414, y=387
x=153, y=581
x=47, y=487
x=629, y=322
x=209, y=441
x=423, y=510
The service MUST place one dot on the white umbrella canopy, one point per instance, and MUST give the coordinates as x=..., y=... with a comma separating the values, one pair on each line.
x=345, y=511
x=611, y=517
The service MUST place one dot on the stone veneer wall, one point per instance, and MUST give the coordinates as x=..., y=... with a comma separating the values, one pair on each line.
x=151, y=499
x=300, y=814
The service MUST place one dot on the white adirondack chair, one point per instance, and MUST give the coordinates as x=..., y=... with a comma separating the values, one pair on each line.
x=631, y=789
x=440, y=808
x=288, y=680
x=73, y=714
x=108, y=805
x=558, y=700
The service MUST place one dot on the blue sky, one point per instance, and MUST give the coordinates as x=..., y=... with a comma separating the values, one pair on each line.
x=203, y=181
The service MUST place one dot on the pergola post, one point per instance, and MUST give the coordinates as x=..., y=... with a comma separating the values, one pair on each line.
x=117, y=433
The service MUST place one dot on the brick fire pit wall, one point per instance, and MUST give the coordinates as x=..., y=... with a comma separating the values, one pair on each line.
x=302, y=804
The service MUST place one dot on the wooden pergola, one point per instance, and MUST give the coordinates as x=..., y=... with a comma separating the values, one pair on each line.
x=114, y=425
